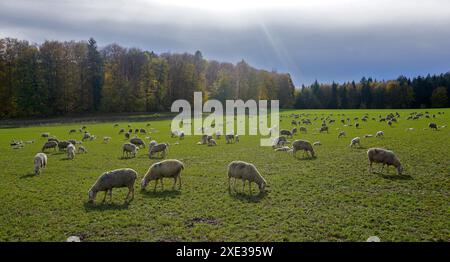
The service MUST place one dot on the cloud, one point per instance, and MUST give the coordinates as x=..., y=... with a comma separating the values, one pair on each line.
x=323, y=39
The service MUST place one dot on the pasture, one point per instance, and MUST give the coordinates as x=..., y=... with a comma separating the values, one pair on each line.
x=332, y=197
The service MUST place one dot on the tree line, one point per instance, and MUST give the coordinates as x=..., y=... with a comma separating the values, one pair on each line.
x=60, y=78
x=403, y=92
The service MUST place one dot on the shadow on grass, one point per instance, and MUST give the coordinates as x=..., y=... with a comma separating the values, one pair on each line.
x=246, y=197
x=30, y=175
x=161, y=194
x=90, y=207
x=125, y=158
x=308, y=158
x=394, y=177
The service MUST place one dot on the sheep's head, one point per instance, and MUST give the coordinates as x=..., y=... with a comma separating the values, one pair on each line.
x=400, y=169
x=144, y=183
x=91, y=195
x=262, y=186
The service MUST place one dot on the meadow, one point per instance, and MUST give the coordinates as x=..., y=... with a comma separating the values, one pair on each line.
x=332, y=197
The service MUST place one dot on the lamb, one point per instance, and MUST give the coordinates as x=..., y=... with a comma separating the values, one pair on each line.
x=72, y=131
x=357, y=125
x=246, y=172
x=50, y=144
x=82, y=149
x=368, y=136
x=379, y=134
x=167, y=168
x=341, y=134
x=129, y=148
x=106, y=139
x=303, y=129
x=70, y=151
x=285, y=132
x=323, y=128
x=212, y=142
x=137, y=141
x=158, y=148
x=432, y=126
x=142, y=131
x=122, y=130
x=40, y=161
x=124, y=177
x=45, y=135
x=355, y=141
x=386, y=157
x=279, y=141
x=302, y=145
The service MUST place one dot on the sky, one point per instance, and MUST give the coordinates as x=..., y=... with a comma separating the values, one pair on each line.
x=324, y=40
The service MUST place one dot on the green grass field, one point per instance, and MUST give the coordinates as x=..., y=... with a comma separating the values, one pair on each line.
x=329, y=198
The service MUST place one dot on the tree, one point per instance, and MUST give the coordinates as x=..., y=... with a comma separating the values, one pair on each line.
x=95, y=73
x=439, y=97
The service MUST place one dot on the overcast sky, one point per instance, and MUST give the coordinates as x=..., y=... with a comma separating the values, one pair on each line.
x=327, y=40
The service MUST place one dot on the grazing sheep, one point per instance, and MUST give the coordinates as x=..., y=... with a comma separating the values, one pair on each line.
x=40, y=161
x=127, y=135
x=106, y=139
x=92, y=138
x=86, y=136
x=159, y=148
x=181, y=135
x=174, y=133
x=45, y=135
x=72, y=131
x=282, y=149
x=386, y=157
x=355, y=141
x=341, y=134
x=72, y=141
x=432, y=126
x=285, y=132
x=279, y=141
x=115, y=125
x=379, y=134
x=246, y=172
x=323, y=129
x=303, y=129
x=368, y=136
x=70, y=151
x=124, y=177
x=229, y=138
x=142, y=131
x=357, y=125
x=212, y=142
x=82, y=149
x=53, y=139
x=50, y=144
x=302, y=145
x=63, y=145
x=317, y=143
x=137, y=141
x=237, y=139
x=167, y=168
x=152, y=143
x=218, y=134
x=129, y=148
x=122, y=130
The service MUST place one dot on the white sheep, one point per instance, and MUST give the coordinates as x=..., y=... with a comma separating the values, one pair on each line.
x=82, y=149
x=282, y=149
x=355, y=141
x=129, y=148
x=317, y=143
x=386, y=157
x=158, y=148
x=246, y=172
x=368, y=136
x=167, y=168
x=379, y=134
x=124, y=177
x=70, y=151
x=341, y=134
x=302, y=145
x=212, y=142
x=40, y=161
x=106, y=139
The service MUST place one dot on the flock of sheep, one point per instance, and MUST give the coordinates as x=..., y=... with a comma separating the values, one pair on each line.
x=237, y=170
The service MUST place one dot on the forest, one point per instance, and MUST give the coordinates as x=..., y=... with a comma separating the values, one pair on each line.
x=77, y=77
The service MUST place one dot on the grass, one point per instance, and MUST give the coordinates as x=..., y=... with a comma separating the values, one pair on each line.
x=330, y=198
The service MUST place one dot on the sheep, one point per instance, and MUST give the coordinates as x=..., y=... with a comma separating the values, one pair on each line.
x=379, y=134
x=323, y=128
x=357, y=125
x=53, y=139
x=129, y=148
x=73, y=141
x=279, y=141
x=181, y=135
x=82, y=149
x=368, y=136
x=212, y=142
x=127, y=135
x=386, y=157
x=124, y=177
x=282, y=149
x=70, y=151
x=246, y=172
x=142, y=131
x=341, y=134
x=92, y=137
x=115, y=125
x=122, y=130
x=106, y=139
x=218, y=134
x=72, y=131
x=285, y=132
x=303, y=129
x=50, y=144
x=152, y=143
x=45, y=135
x=432, y=126
x=63, y=145
x=86, y=136
x=159, y=148
x=40, y=161
x=317, y=143
x=229, y=138
x=302, y=145
x=355, y=141
x=167, y=168
x=174, y=133
x=236, y=139
x=137, y=141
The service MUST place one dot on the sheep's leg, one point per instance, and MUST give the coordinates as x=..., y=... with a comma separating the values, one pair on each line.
x=179, y=179
x=156, y=183
x=104, y=197
x=229, y=184
x=243, y=186
x=174, y=182
x=162, y=184
x=250, y=187
x=370, y=167
x=110, y=195
x=129, y=191
x=234, y=185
